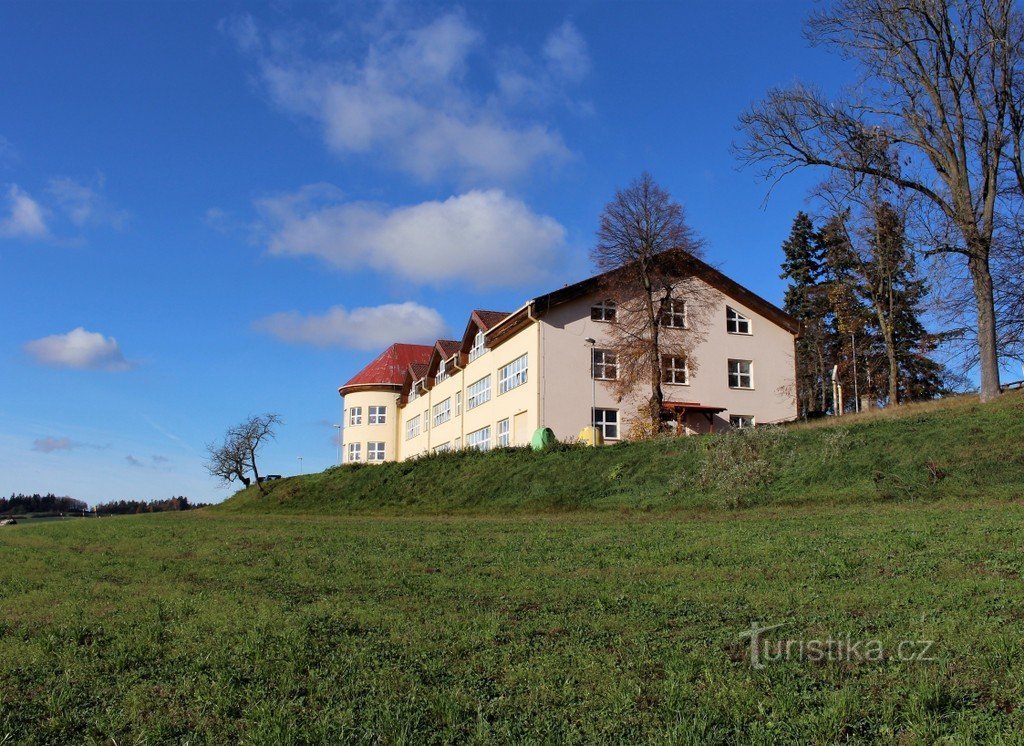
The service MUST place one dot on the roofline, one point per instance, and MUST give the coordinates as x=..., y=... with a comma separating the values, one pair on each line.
x=369, y=386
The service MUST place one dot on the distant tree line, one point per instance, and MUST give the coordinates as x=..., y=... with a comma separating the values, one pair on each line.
x=48, y=503
x=132, y=507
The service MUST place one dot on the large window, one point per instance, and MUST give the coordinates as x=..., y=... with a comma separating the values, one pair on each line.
x=478, y=393
x=741, y=421
x=378, y=416
x=741, y=374
x=479, y=439
x=607, y=421
x=603, y=311
x=504, y=441
x=442, y=412
x=374, y=451
x=604, y=365
x=673, y=315
x=354, y=453
x=674, y=370
x=512, y=375
x=412, y=427
x=736, y=322
x=478, y=348
x=442, y=372
x=443, y=447
x=355, y=415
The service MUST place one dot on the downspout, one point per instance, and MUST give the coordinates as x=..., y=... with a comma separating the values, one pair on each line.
x=540, y=365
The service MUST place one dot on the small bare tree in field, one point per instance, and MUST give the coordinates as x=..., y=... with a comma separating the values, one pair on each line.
x=647, y=249
x=236, y=456
x=938, y=113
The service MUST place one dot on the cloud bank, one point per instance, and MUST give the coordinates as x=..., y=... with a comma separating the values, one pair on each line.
x=360, y=329
x=80, y=349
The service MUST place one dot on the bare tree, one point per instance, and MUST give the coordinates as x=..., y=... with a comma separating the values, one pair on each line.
x=937, y=113
x=236, y=456
x=646, y=247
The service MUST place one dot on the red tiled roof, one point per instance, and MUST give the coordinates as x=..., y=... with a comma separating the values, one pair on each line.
x=490, y=318
x=418, y=370
x=448, y=347
x=390, y=366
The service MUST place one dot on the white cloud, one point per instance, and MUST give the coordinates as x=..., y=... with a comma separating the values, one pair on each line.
x=25, y=218
x=566, y=52
x=51, y=444
x=361, y=328
x=79, y=349
x=485, y=237
x=408, y=96
x=85, y=204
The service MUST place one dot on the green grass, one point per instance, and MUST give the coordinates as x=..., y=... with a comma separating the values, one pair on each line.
x=576, y=595
x=574, y=628
x=929, y=451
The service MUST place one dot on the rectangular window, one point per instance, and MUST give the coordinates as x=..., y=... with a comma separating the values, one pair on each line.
x=741, y=421
x=414, y=393
x=479, y=393
x=607, y=421
x=412, y=428
x=374, y=451
x=442, y=372
x=426, y=420
x=503, y=434
x=458, y=443
x=377, y=416
x=443, y=448
x=458, y=403
x=512, y=375
x=736, y=322
x=604, y=365
x=674, y=370
x=479, y=439
x=673, y=315
x=355, y=416
x=741, y=374
x=354, y=453
x=478, y=347
x=442, y=412
x=603, y=311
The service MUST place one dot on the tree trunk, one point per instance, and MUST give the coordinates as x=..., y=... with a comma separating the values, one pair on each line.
x=988, y=353
x=255, y=473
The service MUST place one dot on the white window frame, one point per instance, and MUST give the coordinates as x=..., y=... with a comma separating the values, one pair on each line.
x=443, y=412
x=734, y=320
x=599, y=362
x=378, y=417
x=604, y=312
x=675, y=370
x=426, y=419
x=443, y=447
x=414, y=393
x=671, y=315
x=742, y=421
x=479, y=439
x=736, y=377
x=458, y=403
x=375, y=450
x=479, y=345
x=513, y=375
x=477, y=394
x=504, y=433
x=458, y=444
x=355, y=416
x=609, y=426
x=354, y=453
x=442, y=372
x=412, y=427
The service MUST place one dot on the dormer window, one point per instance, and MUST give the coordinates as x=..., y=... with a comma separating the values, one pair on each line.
x=736, y=322
x=673, y=314
x=603, y=311
x=442, y=372
x=478, y=347
x=414, y=393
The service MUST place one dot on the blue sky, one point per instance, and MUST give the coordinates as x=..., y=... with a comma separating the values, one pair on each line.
x=217, y=209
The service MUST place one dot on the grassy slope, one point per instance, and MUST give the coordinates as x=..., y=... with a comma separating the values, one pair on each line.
x=579, y=627
x=952, y=448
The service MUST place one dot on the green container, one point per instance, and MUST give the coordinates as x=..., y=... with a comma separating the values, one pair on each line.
x=542, y=438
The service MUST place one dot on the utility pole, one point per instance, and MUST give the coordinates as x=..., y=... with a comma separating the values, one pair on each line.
x=300, y=466
x=338, y=428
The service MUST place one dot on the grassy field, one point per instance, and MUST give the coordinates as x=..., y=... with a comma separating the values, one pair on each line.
x=579, y=627
x=928, y=451
x=570, y=596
